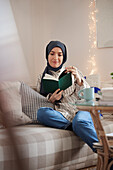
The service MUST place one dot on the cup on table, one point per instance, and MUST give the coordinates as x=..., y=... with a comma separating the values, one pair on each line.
x=86, y=93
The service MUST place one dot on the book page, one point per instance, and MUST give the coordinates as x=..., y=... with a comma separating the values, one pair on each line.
x=49, y=77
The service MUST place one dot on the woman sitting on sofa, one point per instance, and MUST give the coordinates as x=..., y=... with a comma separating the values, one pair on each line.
x=64, y=114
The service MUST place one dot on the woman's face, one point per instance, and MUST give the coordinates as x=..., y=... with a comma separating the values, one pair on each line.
x=55, y=57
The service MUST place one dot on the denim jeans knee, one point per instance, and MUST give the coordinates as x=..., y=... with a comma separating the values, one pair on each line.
x=52, y=118
x=42, y=112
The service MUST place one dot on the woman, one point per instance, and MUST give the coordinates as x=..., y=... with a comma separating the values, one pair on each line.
x=64, y=114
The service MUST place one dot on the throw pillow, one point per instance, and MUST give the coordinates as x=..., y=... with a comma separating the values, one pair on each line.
x=32, y=101
x=10, y=105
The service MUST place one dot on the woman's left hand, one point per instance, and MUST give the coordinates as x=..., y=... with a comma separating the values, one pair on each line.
x=74, y=71
x=56, y=96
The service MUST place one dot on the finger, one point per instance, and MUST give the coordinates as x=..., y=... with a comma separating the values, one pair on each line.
x=71, y=67
x=54, y=94
x=71, y=70
x=68, y=67
x=59, y=95
x=56, y=91
x=60, y=92
x=75, y=73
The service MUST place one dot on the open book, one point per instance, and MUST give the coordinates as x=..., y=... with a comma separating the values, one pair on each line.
x=51, y=83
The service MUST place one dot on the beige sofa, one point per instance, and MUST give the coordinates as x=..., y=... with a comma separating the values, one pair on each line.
x=38, y=147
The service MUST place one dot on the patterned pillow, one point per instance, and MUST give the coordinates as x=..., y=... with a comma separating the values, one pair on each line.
x=32, y=101
x=10, y=105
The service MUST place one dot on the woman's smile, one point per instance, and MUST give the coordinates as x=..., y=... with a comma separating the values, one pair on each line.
x=55, y=61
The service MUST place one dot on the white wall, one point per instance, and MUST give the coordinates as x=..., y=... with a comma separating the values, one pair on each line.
x=12, y=61
x=40, y=21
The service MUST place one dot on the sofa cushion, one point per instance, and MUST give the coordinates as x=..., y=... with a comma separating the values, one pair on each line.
x=32, y=101
x=10, y=105
x=45, y=148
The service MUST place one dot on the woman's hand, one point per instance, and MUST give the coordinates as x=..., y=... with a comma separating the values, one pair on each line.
x=74, y=71
x=56, y=96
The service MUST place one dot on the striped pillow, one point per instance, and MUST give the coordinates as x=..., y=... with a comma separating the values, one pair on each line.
x=32, y=101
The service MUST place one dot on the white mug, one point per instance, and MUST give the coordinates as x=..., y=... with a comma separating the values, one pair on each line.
x=87, y=93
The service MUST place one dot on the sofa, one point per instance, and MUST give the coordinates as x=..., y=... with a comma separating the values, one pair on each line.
x=25, y=144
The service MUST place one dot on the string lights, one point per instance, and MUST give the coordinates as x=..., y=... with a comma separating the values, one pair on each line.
x=92, y=37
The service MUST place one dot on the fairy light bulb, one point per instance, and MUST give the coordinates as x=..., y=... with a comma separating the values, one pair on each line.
x=92, y=37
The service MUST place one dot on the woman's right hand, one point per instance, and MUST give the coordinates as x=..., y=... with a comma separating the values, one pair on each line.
x=56, y=96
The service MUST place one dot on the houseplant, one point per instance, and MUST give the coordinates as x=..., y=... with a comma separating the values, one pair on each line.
x=111, y=75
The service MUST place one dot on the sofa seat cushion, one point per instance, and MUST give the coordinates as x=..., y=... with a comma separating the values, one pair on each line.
x=45, y=148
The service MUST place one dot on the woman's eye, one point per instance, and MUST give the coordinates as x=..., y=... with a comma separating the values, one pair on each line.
x=60, y=55
x=51, y=53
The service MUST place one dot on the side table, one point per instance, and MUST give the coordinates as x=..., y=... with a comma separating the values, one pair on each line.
x=105, y=145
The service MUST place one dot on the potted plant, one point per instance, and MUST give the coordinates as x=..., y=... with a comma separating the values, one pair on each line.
x=111, y=75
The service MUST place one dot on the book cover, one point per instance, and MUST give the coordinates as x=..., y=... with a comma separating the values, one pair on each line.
x=51, y=84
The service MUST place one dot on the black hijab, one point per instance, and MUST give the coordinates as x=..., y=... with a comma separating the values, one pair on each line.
x=49, y=47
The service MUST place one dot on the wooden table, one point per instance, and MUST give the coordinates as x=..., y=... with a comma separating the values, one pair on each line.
x=104, y=149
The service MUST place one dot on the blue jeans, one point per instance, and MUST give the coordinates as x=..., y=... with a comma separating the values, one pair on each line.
x=82, y=124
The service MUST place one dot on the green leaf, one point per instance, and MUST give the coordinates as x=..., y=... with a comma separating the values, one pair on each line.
x=111, y=73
